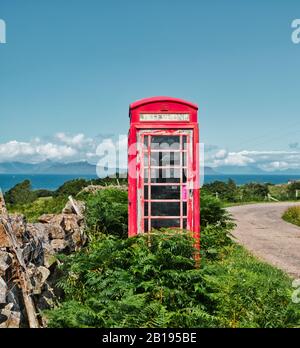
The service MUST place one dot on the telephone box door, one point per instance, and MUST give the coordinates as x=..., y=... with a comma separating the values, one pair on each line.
x=165, y=179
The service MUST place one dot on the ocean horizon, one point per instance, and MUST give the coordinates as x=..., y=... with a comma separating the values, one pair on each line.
x=53, y=181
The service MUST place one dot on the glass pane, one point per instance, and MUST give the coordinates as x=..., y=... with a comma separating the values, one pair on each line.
x=184, y=156
x=160, y=223
x=146, y=175
x=184, y=175
x=184, y=143
x=165, y=142
x=165, y=192
x=164, y=159
x=184, y=224
x=146, y=211
x=160, y=175
x=165, y=209
x=146, y=225
x=165, y=180
x=145, y=160
x=146, y=141
x=145, y=192
x=184, y=208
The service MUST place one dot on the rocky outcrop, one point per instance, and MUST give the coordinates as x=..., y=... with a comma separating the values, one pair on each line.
x=39, y=243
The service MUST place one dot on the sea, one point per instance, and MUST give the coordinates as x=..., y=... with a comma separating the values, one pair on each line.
x=52, y=182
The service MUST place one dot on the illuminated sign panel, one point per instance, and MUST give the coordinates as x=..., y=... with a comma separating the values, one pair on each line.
x=164, y=117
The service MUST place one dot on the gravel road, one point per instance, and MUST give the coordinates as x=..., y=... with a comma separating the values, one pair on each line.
x=262, y=231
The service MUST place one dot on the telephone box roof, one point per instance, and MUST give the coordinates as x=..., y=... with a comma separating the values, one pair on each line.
x=141, y=102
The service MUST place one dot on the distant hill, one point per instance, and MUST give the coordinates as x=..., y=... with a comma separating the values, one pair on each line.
x=85, y=168
x=210, y=171
x=241, y=170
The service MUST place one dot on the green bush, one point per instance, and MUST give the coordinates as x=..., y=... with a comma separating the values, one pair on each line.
x=71, y=187
x=292, y=189
x=227, y=191
x=254, y=191
x=248, y=293
x=292, y=215
x=216, y=241
x=43, y=193
x=212, y=211
x=44, y=205
x=20, y=194
x=135, y=282
x=110, y=181
x=107, y=212
x=151, y=281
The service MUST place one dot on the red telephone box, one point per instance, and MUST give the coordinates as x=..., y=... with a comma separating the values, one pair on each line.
x=163, y=166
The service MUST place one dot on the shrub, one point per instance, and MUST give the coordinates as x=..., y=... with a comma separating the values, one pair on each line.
x=227, y=191
x=43, y=193
x=215, y=241
x=292, y=189
x=134, y=283
x=107, y=212
x=254, y=191
x=292, y=215
x=152, y=282
x=71, y=187
x=110, y=181
x=44, y=205
x=20, y=194
x=249, y=293
x=212, y=211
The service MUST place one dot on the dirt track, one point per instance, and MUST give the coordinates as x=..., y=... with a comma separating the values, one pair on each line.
x=262, y=231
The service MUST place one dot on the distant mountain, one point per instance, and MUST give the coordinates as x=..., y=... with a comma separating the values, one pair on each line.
x=239, y=170
x=210, y=171
x=48, y=167
x=85, y=168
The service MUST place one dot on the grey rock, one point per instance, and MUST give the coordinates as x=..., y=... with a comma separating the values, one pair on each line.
x=3, y=290
x=10, y=318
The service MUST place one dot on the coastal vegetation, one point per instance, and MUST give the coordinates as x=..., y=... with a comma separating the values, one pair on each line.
x=229, y=192
x=152, y=280
x=33, y=203
x=292, y=215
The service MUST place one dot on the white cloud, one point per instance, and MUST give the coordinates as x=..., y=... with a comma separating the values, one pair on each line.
x=34, y=151
x=77, y=140
x=67, y=148
x=268, y=160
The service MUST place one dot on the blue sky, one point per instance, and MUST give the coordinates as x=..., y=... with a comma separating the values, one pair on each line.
x=71, y=68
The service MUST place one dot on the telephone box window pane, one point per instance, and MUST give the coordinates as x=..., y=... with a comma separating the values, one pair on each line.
x=184, y=208
x=146, y=225
x=184, y=224
x=165, y=142
x=168, y=175
x=146, y=160
x=184, y=142
x=165, y=180
x=161, y=223
x=183, y=175
x=146, y=210
x=167, y=159
x=146, y=175
x=165, y=209
x=146, y=140
x=184, y=155
x=145, y=192
x=165, y=192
